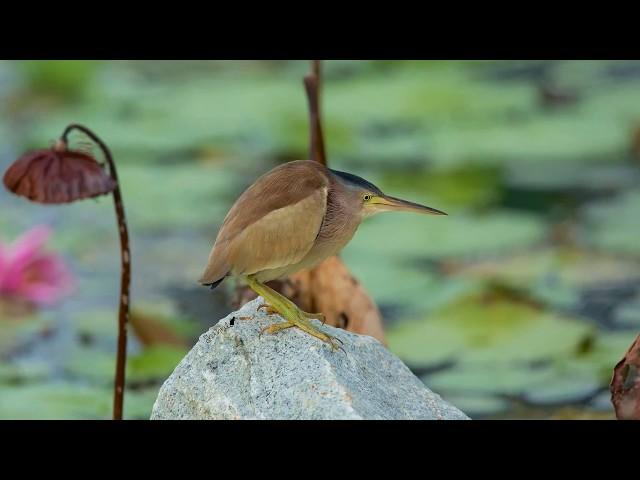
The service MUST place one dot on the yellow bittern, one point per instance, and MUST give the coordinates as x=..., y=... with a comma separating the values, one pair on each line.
x=292, y=218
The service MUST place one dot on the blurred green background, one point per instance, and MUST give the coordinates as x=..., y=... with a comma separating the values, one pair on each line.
x=517, y=305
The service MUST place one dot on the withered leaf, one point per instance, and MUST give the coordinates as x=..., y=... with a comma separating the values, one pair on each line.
x=57, y=176
x=625, y=384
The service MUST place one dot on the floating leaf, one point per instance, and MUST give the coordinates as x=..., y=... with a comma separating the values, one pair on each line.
x=165, y=203
x=416, y=236
x=90, y=364
x=24, y=371
x=69, y=401
x=612, y=225
x=154, y=363
x=564, y=390
x=469, y=186
x=477, y=330
x=489, y=380
x=55, y=401
x=478, y=406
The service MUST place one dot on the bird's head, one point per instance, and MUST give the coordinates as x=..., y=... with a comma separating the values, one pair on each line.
x=370, y=200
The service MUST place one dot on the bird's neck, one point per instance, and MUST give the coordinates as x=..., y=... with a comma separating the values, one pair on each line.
x=341, y=218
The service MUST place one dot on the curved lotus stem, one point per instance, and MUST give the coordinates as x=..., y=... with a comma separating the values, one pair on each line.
x=125, y=278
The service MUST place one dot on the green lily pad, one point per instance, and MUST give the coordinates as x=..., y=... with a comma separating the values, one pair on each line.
x=91, y=365
x=165, y=203
x=545, y=385
x=563, y=390
x=471, y=186
x=15, y=332
x=556, y=276
x=566, y=377
x=479, y=330
x=613, y=225
x=55, y=401
x=138, y=404
x=396, y=284
x=96, y=324
x=154, y=363
x=68, y=79
x=24, y=371
x=478, y=406
x=417, y=236
x=603, y=352
x=627, y=315
x=495, y=379
x=70, y=401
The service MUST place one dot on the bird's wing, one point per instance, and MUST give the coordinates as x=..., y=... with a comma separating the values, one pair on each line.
x=274, y=223
x=280, y=238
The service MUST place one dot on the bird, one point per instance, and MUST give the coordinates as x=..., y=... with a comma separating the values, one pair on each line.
x=292, y=218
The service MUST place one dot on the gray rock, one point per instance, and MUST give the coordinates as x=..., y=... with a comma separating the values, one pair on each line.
x=234, y=373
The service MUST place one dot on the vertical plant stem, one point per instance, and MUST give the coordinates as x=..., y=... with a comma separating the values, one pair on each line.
x=125, y=278
x=312, y=87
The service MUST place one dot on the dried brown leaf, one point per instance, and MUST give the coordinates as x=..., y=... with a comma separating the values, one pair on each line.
x=151, y=331
x=57, y=176
x=625, y=384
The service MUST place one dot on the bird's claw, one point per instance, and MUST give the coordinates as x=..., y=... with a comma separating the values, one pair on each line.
x=335, y=346
x=269, y=310
x=271, y=329
x=332, y=342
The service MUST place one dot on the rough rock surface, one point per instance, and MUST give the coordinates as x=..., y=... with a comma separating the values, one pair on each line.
x=234, y=373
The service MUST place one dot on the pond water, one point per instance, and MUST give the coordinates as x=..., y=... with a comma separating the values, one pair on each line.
x=516, y=305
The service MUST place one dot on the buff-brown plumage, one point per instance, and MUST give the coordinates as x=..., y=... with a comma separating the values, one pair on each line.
x=273, y=224
x=293, y=217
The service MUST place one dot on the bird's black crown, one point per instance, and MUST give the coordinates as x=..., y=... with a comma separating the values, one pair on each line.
x=356, y=180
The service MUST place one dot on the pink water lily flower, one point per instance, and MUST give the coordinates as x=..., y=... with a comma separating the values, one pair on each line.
x=29, y=274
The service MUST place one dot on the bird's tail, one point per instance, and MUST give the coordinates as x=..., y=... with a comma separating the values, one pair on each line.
x=213, y=285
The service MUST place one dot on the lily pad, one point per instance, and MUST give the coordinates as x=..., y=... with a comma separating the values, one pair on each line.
x=90, y=365
x=556, y=276
x=55, y=401
x=154, y=363
x=563, y=390
x=15, y=332
x=177, y=197
x=70, y=401
x=478, y=406
x=485, y=330
x=496, y=379
x=399, y=286
x=24, y=371
x=99, y=325
x=628, y=314
x=68, y=79
x=417, y=236
x=613, y=225
x=469, y=186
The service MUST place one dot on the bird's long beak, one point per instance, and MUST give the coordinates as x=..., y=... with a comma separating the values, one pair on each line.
x=392, y=204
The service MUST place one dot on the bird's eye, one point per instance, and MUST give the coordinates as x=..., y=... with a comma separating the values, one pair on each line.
x=367, y=197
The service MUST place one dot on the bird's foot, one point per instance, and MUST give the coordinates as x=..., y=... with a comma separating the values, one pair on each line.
x=269, y=310
x=292, y=314
x=301, y=319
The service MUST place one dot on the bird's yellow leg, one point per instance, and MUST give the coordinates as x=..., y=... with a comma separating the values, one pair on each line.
x=293, y=315
x=270, y=311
